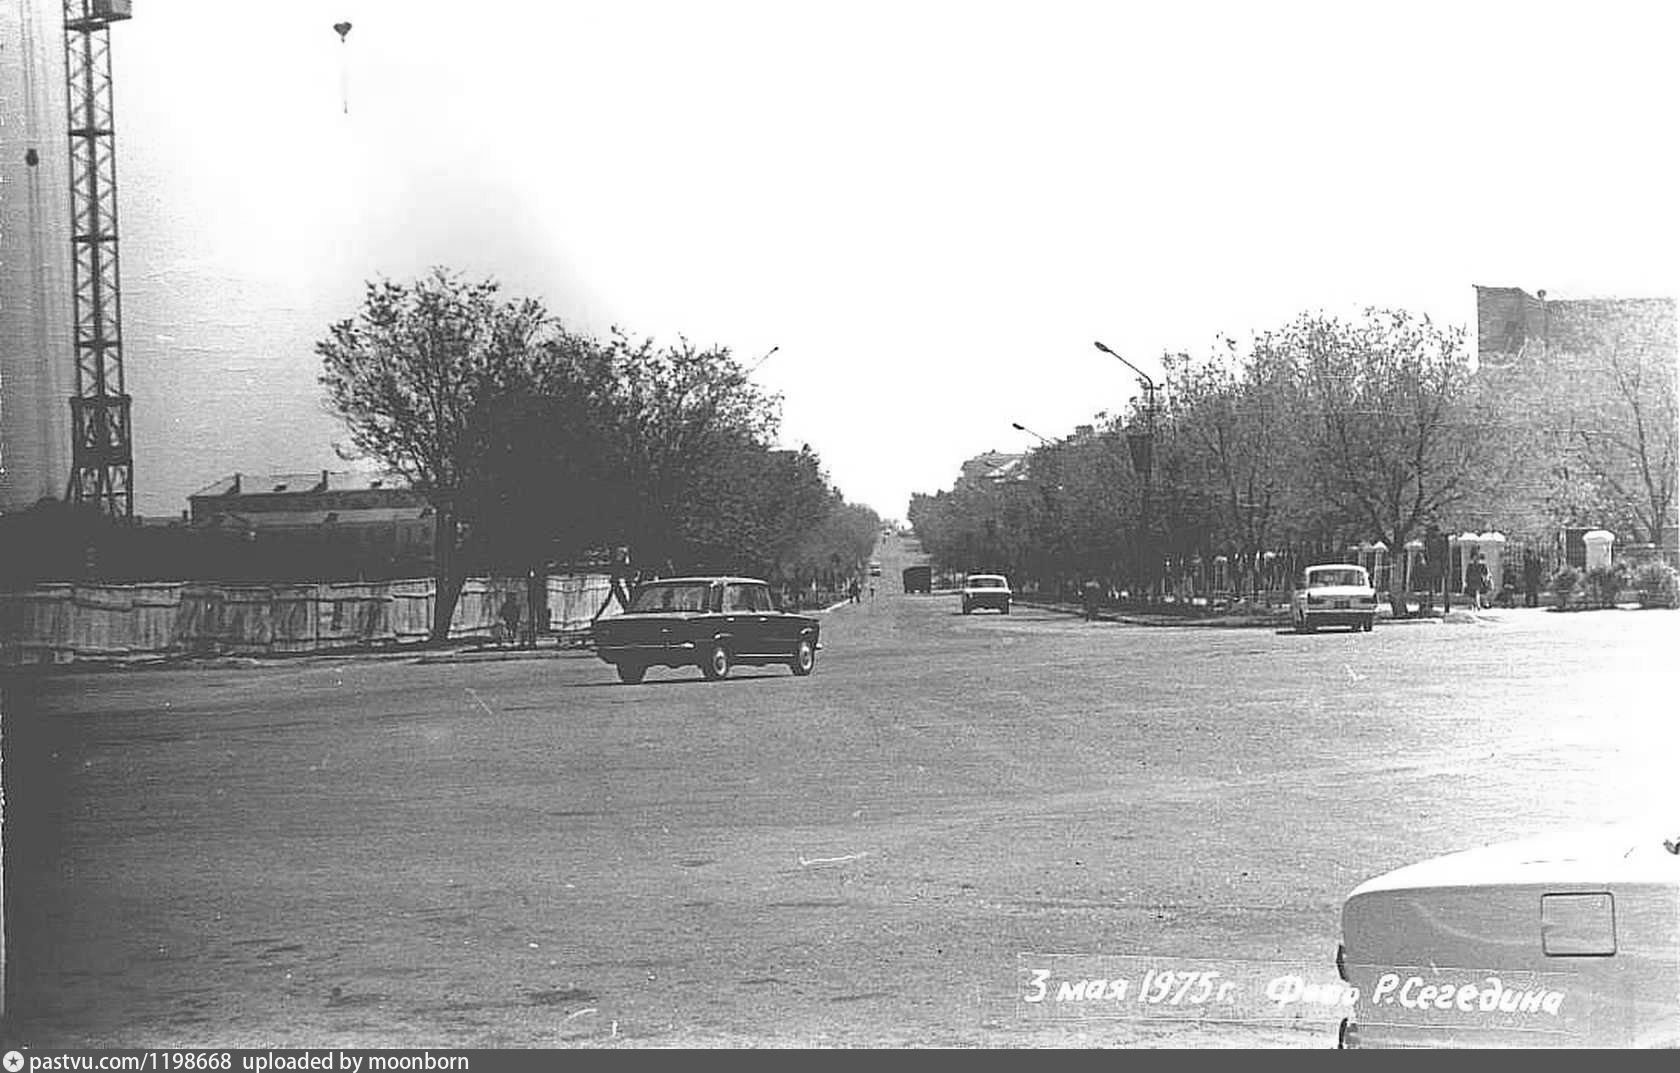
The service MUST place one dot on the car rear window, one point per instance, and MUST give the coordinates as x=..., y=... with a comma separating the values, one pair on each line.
x=987, y=581
x=676, y=597
x=1344, y=576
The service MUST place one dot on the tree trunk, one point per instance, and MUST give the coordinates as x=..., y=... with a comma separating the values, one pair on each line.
x=446, y=578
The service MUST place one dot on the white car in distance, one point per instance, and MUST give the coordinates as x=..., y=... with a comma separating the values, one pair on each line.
x=1334, y=594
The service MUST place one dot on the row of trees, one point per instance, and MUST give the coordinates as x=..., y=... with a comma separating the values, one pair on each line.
x=1324, y=433
x=538, y=444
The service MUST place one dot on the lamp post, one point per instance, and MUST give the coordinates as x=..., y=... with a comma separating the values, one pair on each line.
x=1018, y=427
x=1143, y=461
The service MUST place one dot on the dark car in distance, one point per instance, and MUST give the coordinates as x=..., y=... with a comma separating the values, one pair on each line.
x=714, y=623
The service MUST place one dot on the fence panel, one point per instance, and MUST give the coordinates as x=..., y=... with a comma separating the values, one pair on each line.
x=62, y=622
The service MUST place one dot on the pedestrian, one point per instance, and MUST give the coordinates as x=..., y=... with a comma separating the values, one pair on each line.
x=1091, y=594
x=510, y=619
x=1476, y=581
x=1531, y=579
x=854, y=590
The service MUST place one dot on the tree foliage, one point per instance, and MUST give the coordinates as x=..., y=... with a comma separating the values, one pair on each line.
x=539, y=445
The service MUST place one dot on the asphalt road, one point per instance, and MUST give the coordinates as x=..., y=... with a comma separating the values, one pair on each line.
x=383, y=852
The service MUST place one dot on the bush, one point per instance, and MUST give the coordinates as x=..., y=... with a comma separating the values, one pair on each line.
x=1658, y=585
x=1603, y=584
x=1563, y=584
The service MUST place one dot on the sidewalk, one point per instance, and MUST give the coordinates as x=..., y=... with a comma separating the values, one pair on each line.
x=1269, y=617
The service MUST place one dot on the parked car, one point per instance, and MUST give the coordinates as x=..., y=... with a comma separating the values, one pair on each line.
x=985, y=590
x=714, y=623
x=1569, y=939
x=918, y=579
x=1334, y=594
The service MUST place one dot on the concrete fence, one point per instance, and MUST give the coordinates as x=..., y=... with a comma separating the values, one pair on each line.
x=67, y=623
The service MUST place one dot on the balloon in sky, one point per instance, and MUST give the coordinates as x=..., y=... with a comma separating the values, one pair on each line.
x=343, y=29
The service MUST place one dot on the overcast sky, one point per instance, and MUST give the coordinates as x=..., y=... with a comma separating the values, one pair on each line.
x=932, y=209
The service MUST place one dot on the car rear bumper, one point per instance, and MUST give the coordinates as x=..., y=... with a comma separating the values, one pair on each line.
x=677, y=653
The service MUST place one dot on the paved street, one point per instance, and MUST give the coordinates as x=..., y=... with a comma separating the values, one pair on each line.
x=383, y=852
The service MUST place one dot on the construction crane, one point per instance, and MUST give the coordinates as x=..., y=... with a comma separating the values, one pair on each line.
x=101, y=448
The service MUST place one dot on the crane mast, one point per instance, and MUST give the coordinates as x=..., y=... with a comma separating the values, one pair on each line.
x=102, y=451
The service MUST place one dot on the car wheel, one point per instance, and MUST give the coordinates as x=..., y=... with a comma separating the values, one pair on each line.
x=805, y=660
x=716, y=664
x=631, y=673
x=1369, y=623
x=1005, y=609
x=965, y=608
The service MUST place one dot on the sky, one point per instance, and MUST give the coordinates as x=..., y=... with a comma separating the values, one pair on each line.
x=931, y=210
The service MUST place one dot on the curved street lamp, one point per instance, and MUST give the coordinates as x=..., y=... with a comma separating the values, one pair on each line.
x=1143, y=461
x=1018, y=427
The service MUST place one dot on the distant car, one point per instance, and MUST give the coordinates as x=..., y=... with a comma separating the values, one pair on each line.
x=985, y=590
x=874, y=569
x=1569, y=939
x=714, y=623
x=1334, y=594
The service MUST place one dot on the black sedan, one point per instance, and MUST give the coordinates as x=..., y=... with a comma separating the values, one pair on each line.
x=713, y=623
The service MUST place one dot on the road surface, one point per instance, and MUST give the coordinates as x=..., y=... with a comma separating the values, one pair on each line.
x=362, y=851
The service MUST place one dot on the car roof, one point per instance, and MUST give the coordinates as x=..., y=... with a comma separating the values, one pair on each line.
x=979, y=577
x=705, y=579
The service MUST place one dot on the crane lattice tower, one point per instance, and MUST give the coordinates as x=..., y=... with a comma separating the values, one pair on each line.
x=101, y=449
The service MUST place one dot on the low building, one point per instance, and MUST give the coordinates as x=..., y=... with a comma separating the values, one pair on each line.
x=338, y=524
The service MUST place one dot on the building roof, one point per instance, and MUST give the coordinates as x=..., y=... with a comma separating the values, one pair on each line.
x=995, y=466
x=318, y=480
x=310, y=519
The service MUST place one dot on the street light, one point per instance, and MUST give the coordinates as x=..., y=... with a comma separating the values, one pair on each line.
x=1018, y=427
x=1143, y=460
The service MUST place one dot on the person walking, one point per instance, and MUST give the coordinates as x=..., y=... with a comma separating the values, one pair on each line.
x=1476, y=582
x=1531, y=578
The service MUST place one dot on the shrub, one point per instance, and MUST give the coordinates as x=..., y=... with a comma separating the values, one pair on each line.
x=1658, y=585
x=1563, y=584
x=1603, y=583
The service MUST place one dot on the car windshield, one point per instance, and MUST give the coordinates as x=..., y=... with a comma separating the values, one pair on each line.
x=1346, y=575
x=987, y=581
x=689, y=596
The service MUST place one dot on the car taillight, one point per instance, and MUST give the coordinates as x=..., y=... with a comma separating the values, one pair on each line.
x=1314, y=600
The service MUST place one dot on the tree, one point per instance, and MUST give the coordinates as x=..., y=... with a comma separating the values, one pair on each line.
x=1630, y=439
x=1396, y=435
x=412, y=374
x=681, y=415
x=1234, y=421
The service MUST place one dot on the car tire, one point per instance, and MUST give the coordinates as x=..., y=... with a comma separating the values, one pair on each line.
x=1370, y=623
x=805, y=659
x=965, y=608
x=631, y=673
x=717, y=663
x=1005, y=609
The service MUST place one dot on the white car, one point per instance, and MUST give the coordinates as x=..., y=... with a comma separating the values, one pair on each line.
x=1569, y=939
x=986, y=590
x=1334, y=594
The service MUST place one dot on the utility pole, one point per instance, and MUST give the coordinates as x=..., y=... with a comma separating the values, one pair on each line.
x=102, y=450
